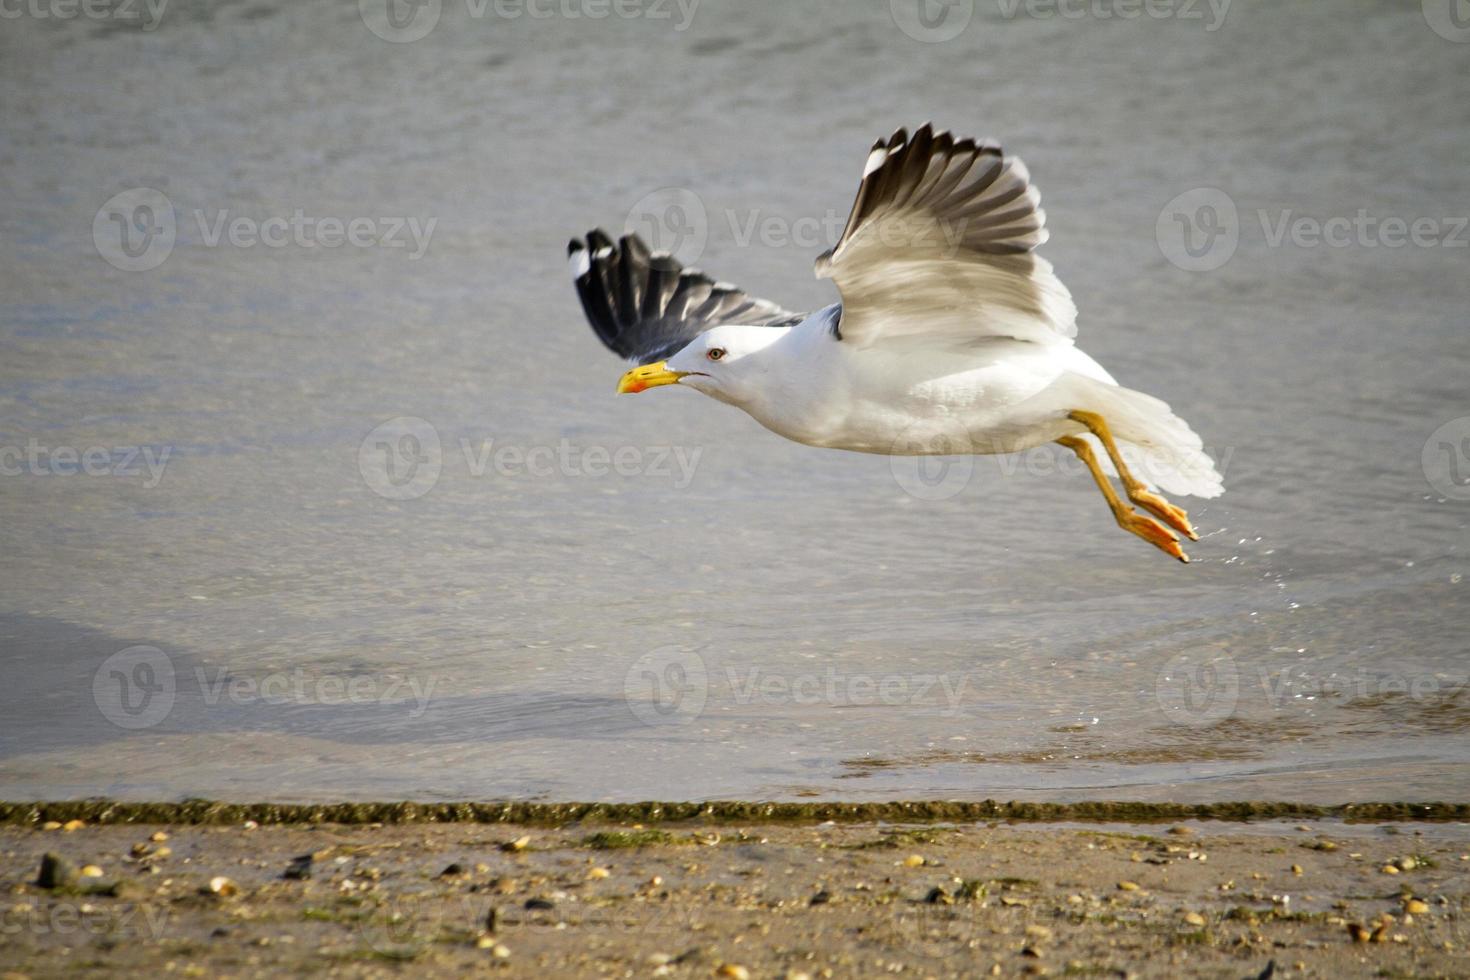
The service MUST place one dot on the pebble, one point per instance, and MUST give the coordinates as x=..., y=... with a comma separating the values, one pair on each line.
x=519, y=844
x=158, y=837
x=56, y=872
x=91, y=871
x=1389, y=869
x=1407, y=864
x=1194, y=918
x=797, y=975
x=71, y=825
x=484, y=942
x=1038, y=932
x=913, y=861
x=598, y=873
x=734, y=971
x=51, y=825
x=1415, y=907
x=1181, y=831
x=1296, y=869
x=500, y=951
x=1128, y=886
x=222, y=886
x=938, y=896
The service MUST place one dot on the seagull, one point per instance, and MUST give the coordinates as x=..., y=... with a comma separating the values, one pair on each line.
x=952, y=336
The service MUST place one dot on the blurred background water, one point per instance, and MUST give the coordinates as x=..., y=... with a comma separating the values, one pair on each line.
x=365, y=520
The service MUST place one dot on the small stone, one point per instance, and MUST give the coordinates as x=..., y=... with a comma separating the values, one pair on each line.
x=500, y=951
x=1181, y=831
x=249, y=825
x=659, y=959
x=1389, y=869
x=222, y=886
x=938, y=896
x=599, y=873
x=91, y=871
x=1128, y=886
x=56, y=872
x=1415, y=907
x=542, y=904
x=913, y=861
x=1296, y=869
x=299, y=869
x=734, y=971
x=519, y=844
x=484, y=942
x=1359, y=932
x=1038, y=932
x=1194, y=918
x=821, y=898
x=1407, y=864
x=158, y=837
x=797, y=975
x=453, y=870
x=71, y=825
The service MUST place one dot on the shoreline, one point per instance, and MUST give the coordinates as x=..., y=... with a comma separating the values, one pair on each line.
x=210, y=812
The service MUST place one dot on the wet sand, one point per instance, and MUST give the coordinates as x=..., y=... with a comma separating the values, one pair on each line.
x=739, y=897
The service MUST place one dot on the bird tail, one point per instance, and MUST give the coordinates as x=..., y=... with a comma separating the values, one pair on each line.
x=1159, y=447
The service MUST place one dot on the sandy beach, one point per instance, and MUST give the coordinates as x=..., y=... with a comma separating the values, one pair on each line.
x=714, y=897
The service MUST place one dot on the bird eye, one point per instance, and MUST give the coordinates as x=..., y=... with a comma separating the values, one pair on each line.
x=715, y=353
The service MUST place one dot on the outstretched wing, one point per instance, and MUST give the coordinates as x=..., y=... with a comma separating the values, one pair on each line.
x=940, y=244
x=645, y=306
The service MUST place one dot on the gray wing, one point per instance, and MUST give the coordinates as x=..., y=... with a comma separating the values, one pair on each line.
x=940, y=243
x=645, y=306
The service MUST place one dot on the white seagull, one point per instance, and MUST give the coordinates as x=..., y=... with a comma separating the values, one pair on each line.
x=952, y=336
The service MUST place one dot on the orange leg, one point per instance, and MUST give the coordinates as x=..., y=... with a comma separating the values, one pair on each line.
x=1128, y=519
x=1173, y=516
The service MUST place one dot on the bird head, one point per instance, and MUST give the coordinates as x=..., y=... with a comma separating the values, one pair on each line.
x=721, y=362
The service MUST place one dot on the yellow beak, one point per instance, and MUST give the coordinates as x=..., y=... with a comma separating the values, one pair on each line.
x=648, y=376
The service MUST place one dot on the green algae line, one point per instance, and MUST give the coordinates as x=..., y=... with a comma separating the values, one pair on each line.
x=206, y=812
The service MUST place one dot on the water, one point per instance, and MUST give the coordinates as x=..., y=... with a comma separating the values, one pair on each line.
x=725, y=615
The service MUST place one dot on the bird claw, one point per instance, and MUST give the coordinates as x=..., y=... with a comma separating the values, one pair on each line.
x=1175, y=517
x=1155, y=534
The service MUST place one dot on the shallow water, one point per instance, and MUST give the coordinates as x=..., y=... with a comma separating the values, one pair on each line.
x=245, y=598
